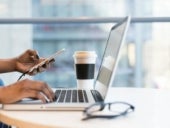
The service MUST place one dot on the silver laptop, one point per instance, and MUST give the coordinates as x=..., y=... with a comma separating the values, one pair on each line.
x=73, y=99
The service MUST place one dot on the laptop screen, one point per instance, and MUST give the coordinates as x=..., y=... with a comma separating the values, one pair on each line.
x=110, y=58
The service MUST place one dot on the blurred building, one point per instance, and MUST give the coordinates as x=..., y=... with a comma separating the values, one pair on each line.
x=14, y=39
x=147, y=44
x=47, y=38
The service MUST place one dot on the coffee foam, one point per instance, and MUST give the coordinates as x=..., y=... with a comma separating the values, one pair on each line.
x=84, y=54
x=85, y=61
x=88, y=57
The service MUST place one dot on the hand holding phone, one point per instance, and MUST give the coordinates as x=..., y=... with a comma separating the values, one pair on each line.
x=47, y=60
x=41, y=64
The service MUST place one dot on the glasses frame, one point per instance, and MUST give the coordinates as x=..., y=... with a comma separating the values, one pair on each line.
x=89, y=115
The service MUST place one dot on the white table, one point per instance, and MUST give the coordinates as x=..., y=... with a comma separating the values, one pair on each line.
x=152, y=111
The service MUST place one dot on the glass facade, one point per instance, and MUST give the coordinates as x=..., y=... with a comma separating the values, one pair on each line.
x=52, y=37
x=142, y=62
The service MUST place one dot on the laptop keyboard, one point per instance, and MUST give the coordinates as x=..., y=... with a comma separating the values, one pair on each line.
x=72, y=96
x=76, y=96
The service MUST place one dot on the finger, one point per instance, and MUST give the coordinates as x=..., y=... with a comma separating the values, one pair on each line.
x=41, y=69
x=48, y=63
x=44, y=65
x=43, y=87
x=35, y=95
x=34, y=72
x=37, y=65
x=49, y=95
x=34, y=57
x=40, y=62
x=51, y=92
x=33, y=54
x=48, y=92
x=51, y=61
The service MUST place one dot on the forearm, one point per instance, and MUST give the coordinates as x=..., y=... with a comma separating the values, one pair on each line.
x=8, y=94
x=2, y=94
x=7, y=65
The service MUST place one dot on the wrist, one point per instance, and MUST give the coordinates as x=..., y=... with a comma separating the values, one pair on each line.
x=14, y=64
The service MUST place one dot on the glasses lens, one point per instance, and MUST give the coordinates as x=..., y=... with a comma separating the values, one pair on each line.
x=118, y=108
x=94, y=108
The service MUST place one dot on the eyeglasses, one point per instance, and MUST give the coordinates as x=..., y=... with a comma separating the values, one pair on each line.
x=116, y=109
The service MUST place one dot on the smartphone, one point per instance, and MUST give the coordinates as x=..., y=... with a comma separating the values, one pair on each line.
x=46, y=60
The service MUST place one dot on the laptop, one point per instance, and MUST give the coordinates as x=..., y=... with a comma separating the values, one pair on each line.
x=74, y=99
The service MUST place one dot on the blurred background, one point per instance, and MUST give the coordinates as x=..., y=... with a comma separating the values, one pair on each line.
x=145, y=57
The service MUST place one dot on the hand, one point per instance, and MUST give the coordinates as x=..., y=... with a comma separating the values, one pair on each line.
x=26, y=89
x=27, y=60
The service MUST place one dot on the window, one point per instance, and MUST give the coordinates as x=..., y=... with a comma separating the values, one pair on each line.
x=142, y=63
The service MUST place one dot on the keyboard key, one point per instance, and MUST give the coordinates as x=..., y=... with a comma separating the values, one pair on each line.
x=85, y=96
x=57, y=94
x=62, y=96
x=68, y=96
x=80, y=96
x=74, y=96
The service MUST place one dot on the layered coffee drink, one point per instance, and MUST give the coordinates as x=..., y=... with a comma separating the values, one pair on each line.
x=85, y=68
